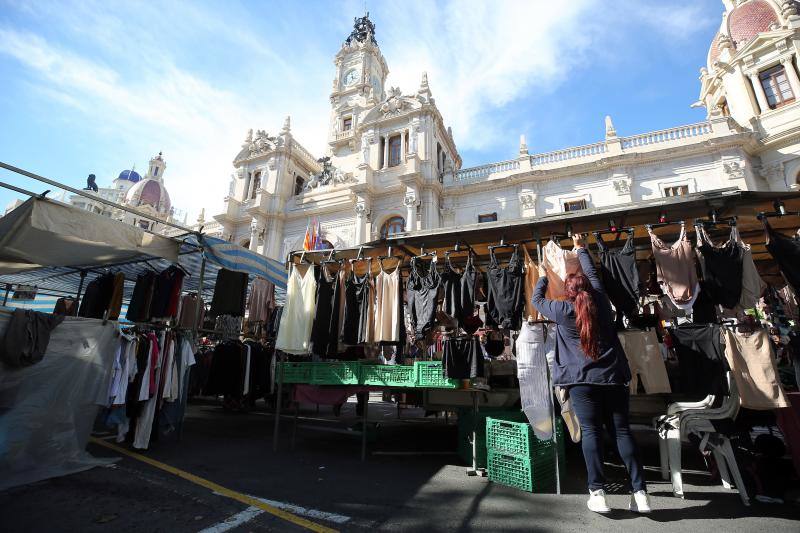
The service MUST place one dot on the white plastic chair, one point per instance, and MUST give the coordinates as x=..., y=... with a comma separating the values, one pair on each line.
x=698, y=420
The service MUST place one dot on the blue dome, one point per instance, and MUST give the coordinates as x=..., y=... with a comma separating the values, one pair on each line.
x=130, y=175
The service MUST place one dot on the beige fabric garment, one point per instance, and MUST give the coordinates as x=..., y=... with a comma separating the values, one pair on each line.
x=531, y=277
x=558, y=264
x=298, y=312
x=676, y=269
x=387, y=309
x=755, y=369
x=644, y=358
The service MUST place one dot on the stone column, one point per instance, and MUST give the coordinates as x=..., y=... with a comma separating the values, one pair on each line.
x=761, y=96
x=253, y=235
x=791, y=73
x=385, y=151
x=410, y=202
x=361, y=218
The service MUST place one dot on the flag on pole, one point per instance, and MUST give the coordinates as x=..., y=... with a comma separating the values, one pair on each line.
x=319, y=244
x=308, y=240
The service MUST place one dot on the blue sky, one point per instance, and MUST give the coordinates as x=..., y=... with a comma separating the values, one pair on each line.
x=95, y=87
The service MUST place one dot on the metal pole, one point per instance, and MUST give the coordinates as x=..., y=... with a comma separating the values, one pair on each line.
x=364, y=428
x=8, y=289
x=80, y=288
x=278, y=405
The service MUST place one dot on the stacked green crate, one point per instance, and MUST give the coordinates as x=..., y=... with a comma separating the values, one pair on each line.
x=431, y=374
x=388, y=375
x=518, y=459
x=466, y=420
x=295, y=372
x=336, y=373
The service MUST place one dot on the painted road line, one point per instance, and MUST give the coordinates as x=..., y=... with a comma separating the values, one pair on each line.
x=302, y=511
x=234, y=521
x=309, y=513
x=214, y=487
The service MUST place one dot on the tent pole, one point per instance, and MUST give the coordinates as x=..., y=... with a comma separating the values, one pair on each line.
x=200, y=290
x=278, y=405
x=8, y=289
x=80, y=288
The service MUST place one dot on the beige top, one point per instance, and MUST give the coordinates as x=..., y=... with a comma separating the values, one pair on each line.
x=675, y=267
x=531, y=277
x=558, y=264
x=387, y=308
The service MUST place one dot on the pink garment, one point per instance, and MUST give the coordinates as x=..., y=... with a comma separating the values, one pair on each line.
x=676, y=269
x=325, y=395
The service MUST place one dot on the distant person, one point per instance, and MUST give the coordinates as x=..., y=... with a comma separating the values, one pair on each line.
x=90, y=184
x=591, y=364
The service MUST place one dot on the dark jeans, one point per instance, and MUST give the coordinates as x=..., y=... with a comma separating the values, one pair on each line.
x=594, y=406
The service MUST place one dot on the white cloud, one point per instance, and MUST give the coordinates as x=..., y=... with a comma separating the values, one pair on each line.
x=480, y=56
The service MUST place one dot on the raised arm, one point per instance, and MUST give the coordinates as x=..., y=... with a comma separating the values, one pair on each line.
x=589, y=269
x=551, y=309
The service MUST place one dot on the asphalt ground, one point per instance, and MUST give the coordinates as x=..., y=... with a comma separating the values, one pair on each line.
x=224, y=476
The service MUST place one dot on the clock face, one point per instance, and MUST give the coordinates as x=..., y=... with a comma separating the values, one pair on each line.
x=351, y=77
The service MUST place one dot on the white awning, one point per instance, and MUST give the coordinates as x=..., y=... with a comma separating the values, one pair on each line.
x=42, y=232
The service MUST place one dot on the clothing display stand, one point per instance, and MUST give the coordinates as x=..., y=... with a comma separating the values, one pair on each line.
x=278, y=402
x=475, y=471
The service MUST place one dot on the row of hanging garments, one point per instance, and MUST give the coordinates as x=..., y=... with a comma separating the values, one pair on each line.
x=156, y=295
x=326, y=311
x=148, y=384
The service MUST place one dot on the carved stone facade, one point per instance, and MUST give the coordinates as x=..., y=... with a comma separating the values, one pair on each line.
x=391, y=161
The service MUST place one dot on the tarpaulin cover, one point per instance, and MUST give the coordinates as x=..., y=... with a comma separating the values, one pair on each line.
x=42, y=232
x=47, y=410
x=234, y=257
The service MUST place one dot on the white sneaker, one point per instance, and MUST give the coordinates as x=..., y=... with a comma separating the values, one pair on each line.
x=640, y=502
x=597, y=501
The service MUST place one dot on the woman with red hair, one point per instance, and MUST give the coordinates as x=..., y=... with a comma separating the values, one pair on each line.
x=591, y=364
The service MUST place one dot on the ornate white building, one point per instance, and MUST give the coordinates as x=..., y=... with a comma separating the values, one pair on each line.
x=392, y=164
x=148, y=195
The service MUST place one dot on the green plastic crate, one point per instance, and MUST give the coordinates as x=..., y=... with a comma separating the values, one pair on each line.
x=295, y=372
x=531, y=474
x=336, y=373
x=431, y=374
x=516, y=438
x=388, y=375
x=465, y=421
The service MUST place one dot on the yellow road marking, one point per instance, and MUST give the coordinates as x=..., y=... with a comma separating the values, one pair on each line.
x=238, y=496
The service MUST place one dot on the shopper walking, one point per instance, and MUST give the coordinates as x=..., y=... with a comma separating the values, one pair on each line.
x=591, y=364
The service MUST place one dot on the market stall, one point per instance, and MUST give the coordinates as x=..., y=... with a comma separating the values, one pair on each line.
x=697, y=223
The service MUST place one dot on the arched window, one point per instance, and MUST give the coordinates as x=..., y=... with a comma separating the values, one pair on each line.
x=256, y=184
x=299, y=185
x=393, y=226
x=246, y=243
x=326, y=245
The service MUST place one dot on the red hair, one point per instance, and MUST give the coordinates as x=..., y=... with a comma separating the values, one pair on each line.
x=578, y=290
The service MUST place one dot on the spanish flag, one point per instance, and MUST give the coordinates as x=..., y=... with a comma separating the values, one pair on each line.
x=308, y=242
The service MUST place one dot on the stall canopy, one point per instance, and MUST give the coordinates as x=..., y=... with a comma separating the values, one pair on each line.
x=722, y=203
x=52, y=246
x=42, y=232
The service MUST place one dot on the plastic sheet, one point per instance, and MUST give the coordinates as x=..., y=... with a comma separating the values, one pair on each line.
x=47, y=410
x=535, y=350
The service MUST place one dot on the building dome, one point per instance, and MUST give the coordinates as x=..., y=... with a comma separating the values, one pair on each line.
x=749, y=19
x=713, y=51
x=149, y=192
x=129, y=175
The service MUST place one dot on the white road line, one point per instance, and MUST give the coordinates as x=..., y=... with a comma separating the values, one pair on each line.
x=302, y=511
x=234, y=521
x=308, y=513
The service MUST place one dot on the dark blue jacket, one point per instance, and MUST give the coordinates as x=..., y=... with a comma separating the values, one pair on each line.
x=572, y=366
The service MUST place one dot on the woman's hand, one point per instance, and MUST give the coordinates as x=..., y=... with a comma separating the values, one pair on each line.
x=578, y=240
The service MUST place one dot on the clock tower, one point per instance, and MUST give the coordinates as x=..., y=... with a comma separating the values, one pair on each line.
x=358, y=85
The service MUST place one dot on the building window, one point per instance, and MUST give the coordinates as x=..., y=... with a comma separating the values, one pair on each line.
x=394, y=151
x=347, y=124
x=776, y=86
x=155, y=171
x=144, y=224
x=489, y=217
x=574, y=205
x=256, y=185
x=676, y=190
x=299, y=185
x=246, y=244
x=393, y=226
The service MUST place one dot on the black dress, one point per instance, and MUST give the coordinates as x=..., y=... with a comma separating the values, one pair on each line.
x=506, y=299
x=422, y=290
x=356, y=308
x=325, y=331
x=620, y=276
